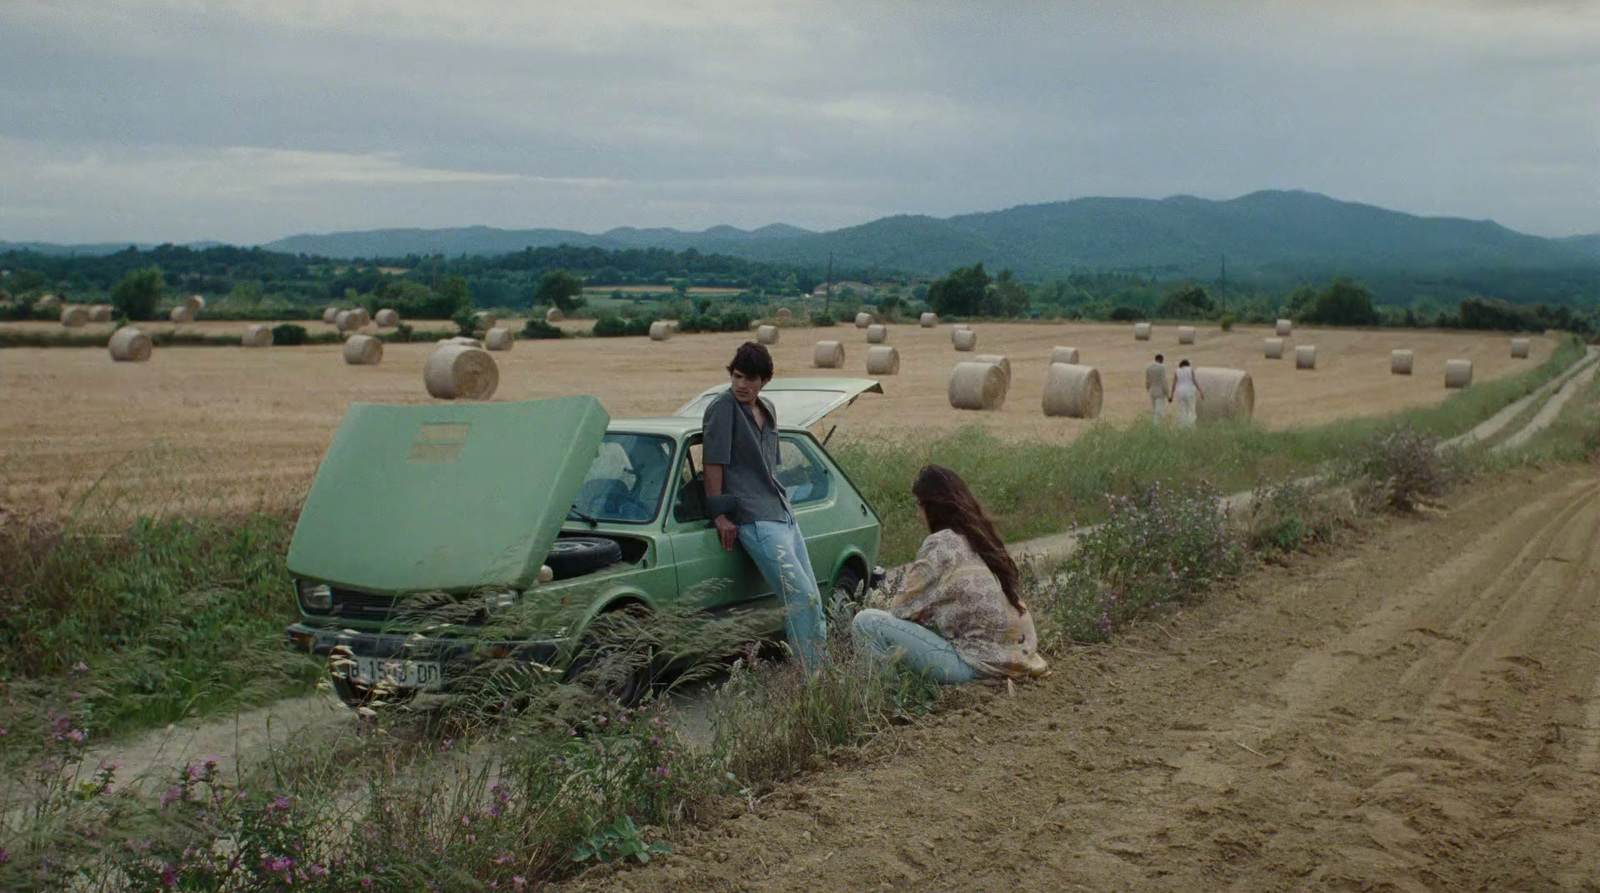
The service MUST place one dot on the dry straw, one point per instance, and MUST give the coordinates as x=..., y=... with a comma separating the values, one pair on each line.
x=767, y=335
x=1284, y=329
x=995, y=359
x=877, y=334
x=1185, y=334
x=928, y=320
x=74, y=316
x=362, y=317
x=783, y=315
x=387, y=318
x=345, y=321
x=883, y=360
x=181, y=314
x=1273, y=348
x=1521, y=348
x=979, y=386
x=554, y=315
x=195, y=303
x=100, y=313
x=1068, y=355
x=1457, y=373
x=1141, y=331
x=457, y=371
x=1072, y=391
x=1225, y=394
x=964, y=339
x=257, y=335
x=1305, y=356
x=330, y=315
x=485, y=320
x=1400, y=362
x=49, y=303
x=129, y=345
x=498, y=338
x=863, y=319
x=828, y=355
x=661, y=330
x=363, y=350
x=463, y=341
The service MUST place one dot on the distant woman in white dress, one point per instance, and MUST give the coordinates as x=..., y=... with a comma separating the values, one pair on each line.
x=1186, y=391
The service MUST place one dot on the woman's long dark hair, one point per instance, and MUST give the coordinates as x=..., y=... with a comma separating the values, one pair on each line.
x=951, y=505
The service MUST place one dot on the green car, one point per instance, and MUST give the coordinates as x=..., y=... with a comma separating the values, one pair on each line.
x=428, y=525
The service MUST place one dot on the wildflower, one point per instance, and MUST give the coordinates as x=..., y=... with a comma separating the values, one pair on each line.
x=317, y=870
x=518, y=881
x=447, y=743
x=366, y=882
x=77, y=735
x=169, y=796
x=281, y=802
x=80, y=667
x=169, y=875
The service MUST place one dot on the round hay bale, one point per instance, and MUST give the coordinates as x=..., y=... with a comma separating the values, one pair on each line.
x=48, y=303
x=100, y=313
x=1185, y=334
x=458, y=371
x=1305, y=356
x=1457, y=373
x=827, y=355
x=362, y=317
x=1141, y=331
x=661, y=330
x=387, y=318
x=330, y=315
x=195, y=303
x=883, y=360
x=964, y=339
x=554, y=315
x=344, y=321
x=498, y=338
x=129, y=345
x=1400, y=362
x=980, y=386
x=767, y=335
x=363, y=350
x=1227, y=394
x=181, y=314
x=783, y=315
x=995, y=359
x=1067, y=355
x=928, y=320
x=1284, y=329
x=463, y=340
x=1273, y=348
x=877, y=334
x=863, y=319
x=1521, y=348
x=1072, y=391
x=257, y=335
x=74, y=316
x=485, y=320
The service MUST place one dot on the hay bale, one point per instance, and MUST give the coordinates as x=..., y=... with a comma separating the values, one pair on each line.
x=74, y=316
x=1185, y=334
x=661, y=330
x=783, y=315
x=100, y=313
x=863, y=319
x=996, y=360
x=387, y=318
x=344, y=321
x=129, y=345
x=1068, y=355
x=964, y=339
x=979, y=386
x=499, y=338
x=1400, y=362
x=928, y=320
x=485, y=320
x=883, y=360
x=767, y=335
x=1226, y=394
x=256, y=335
x=458, y=371
x=1284, y=329
x=1141, y=331
x=195, y=303
x=554, y=315
x=1072, y=391
x=363, y=350
x=1457, y=373
x=1521, y=348
x=1272, y=348
x=463, y=341
x=330, y=315
x=877, y=334
x=362, y=317
x=827, y=355
x=181, y=314
x=48, y=303
x=1305, y=356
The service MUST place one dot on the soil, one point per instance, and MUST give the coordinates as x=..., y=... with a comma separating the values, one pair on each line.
x=1417, y=711
x=202, y=427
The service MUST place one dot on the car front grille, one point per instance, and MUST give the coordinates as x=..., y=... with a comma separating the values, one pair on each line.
x=435, y=606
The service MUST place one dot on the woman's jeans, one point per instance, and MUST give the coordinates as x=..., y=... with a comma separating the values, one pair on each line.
x=920, y=649
x=779, y=550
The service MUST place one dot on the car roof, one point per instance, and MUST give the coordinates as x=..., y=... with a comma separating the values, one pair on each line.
x=670, y=426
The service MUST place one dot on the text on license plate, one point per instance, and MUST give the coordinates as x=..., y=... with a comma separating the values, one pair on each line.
x=398, y=673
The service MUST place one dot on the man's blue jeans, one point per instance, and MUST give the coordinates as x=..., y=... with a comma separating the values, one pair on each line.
x=779, y=549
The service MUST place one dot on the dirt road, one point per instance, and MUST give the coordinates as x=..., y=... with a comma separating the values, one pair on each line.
x=1418, y=712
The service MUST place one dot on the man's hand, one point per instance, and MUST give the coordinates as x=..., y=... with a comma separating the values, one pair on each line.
x=727, y=531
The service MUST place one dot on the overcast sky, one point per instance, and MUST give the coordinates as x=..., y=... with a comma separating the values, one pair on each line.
x=243, y=121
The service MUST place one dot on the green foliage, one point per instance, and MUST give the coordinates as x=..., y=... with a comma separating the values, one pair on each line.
x=288, y=335
x=538, y=328
x=1008, y=298
x=1124, y=313
x=137, y=295
x=617, y=842
x=1342, y=303
x=610, y=327
x=1400, y=469
x=728, y=321
x=1286, y=516
x=823, y=319
x=961, y=293
x=1187, y=302
x=559, y=289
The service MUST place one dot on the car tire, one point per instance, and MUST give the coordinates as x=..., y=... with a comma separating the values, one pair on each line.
x=845, y=584
x=574, y=556
x=595, y=651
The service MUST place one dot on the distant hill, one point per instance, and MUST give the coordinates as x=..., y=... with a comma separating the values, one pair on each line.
x=1589, y=244
x=487, y=240
x=93, y=249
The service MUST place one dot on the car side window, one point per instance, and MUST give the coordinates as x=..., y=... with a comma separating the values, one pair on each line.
x=689, y=503
x=800, y=473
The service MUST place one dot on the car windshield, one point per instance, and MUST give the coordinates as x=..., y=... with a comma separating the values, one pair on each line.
x=627, y=478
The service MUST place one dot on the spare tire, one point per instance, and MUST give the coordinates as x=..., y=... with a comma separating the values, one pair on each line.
x=574, y=556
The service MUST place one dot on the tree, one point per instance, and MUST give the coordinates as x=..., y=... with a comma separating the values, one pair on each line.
x=961, y=293
x=1009, y=298
x=1186, y=303
x=136, y=296
x=1343, y=303
x=559, y=289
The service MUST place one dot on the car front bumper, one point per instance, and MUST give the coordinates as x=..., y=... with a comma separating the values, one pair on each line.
x=322, y=640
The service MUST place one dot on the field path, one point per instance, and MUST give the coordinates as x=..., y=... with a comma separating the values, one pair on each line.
x=1421, y=712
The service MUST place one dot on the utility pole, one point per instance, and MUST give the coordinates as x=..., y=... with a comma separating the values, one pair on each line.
x=1224, y=283
x=827, y=298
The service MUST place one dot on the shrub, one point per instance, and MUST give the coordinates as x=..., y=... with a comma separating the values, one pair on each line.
x=823, y=319
x=610, y=327
x=1286, y=516
x=1226, y=322
x=640, y=325
x=538, y=328
x=288, y=334
x=1124, y=313
x=1400, y=469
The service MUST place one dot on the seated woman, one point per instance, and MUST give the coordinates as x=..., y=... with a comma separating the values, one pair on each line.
x=957, y=614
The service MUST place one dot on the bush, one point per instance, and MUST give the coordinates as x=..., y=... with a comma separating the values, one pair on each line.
x=538, y=328
x=1124, y=313
x=1227, y=321
x=610, y=327
x=1400, y=469
x=288, y=335
x=823, y=319
x=640, y=325
x=1285, y=517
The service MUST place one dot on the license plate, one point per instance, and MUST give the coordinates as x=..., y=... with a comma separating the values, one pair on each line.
x=397, y=673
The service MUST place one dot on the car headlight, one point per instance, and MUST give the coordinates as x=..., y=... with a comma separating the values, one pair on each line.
x=315, y=596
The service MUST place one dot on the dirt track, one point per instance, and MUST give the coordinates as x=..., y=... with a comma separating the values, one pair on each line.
x=1419, y=712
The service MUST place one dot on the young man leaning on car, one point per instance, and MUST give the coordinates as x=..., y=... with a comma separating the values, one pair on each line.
x=749, y=506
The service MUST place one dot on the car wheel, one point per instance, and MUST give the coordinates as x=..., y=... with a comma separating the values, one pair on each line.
x=845, y=585
x=574, y=556
x=615, y=659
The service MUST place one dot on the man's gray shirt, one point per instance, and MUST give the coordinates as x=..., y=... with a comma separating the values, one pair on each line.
x=1155, y=379
x=748, y=456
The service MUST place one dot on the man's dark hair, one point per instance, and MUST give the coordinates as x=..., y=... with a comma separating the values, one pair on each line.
x=1160, y=358
x=753, y=360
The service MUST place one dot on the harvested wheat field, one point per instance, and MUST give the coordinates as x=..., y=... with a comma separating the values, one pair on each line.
x=201, y=425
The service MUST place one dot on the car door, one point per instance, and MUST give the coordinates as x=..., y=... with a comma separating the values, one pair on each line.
x=813, y=492
x=708, y=575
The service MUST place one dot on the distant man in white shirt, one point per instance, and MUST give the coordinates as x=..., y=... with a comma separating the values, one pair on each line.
x=1155, y=382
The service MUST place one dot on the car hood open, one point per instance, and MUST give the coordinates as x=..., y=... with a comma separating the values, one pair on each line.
x=800, y=402
x=445, y=497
